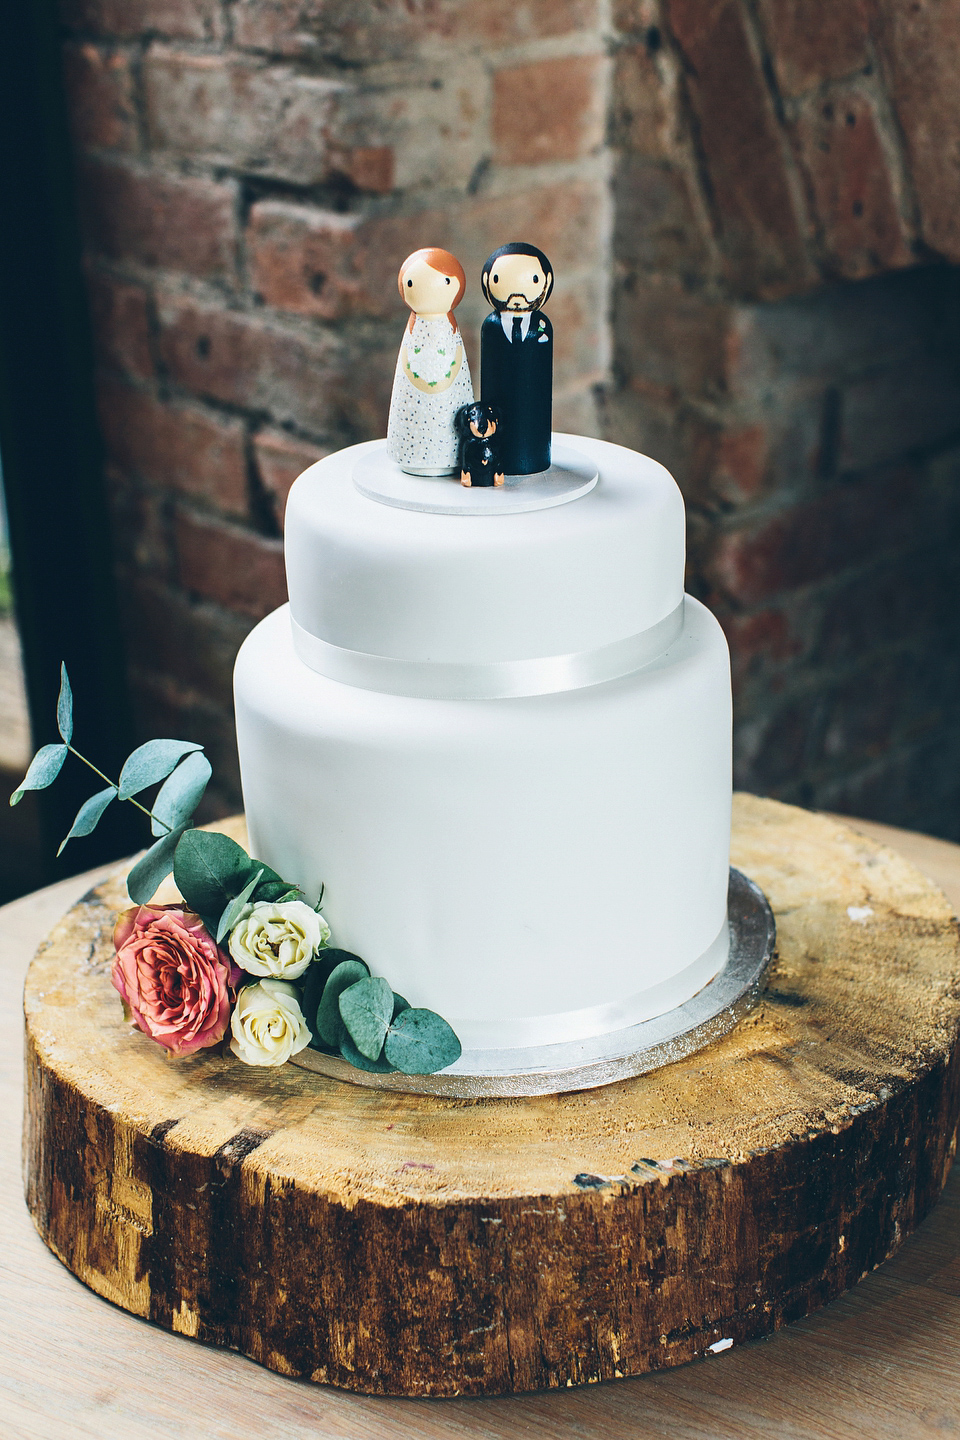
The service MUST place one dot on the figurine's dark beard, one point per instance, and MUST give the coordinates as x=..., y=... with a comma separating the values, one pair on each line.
x=519, y=295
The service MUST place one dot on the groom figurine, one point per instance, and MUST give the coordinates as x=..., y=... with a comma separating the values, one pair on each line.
x=516, y=354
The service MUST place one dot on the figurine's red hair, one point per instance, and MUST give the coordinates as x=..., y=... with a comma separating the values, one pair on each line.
x=445, y=264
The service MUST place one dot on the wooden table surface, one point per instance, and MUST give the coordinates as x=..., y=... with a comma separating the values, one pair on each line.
x=883, y=1361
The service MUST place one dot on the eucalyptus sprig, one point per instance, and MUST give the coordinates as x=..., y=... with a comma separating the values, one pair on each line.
x=348, y=1011
x=181, y=764
x=356, y=1014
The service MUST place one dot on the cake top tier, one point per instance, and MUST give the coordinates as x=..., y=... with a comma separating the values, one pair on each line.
x=369, y=577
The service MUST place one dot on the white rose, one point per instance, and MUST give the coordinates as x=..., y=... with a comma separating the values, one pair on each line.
x=267, y=1024
x=277, y=939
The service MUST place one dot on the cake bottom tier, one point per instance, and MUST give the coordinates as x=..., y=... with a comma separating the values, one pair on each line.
x=537, y=870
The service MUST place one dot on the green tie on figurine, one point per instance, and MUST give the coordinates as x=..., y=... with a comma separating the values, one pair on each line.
x=516, y=355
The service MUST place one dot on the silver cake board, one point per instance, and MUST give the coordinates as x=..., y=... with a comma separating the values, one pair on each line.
x=603, y=1059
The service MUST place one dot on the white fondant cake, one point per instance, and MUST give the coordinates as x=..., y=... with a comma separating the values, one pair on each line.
x=502, y=741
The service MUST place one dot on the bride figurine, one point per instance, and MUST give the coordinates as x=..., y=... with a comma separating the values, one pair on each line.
x=433, y=378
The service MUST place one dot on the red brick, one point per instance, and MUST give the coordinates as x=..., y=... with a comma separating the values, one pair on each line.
x=139, y=526
x=735, y=462
x=306, y=380
x=236, y=568
x=854, y=196
x=649, y=423
x=292, y=246
x=176, y=222
x=920, y=45
x=639, y=17
x=761, y=229
x=811, y=42
x=189, y=19
x=310, y=262
x=911, y=406
x=577, y=312
x=361, y=31
x=657, y=225
x=120, y=317
x=548, y=110
x=281, y=458
x=432, y=118
x=823, y=537
x=99, y=87
x=669, y=338
x=237, y=110
x=177, y=447
x=644, y=118
x=761, y=642
x=371, y=167
x=196, y=642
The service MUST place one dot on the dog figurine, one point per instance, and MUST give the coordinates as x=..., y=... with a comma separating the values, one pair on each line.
x=478, y=450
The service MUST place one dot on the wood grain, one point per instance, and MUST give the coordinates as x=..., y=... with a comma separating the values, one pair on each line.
x=399, y=1243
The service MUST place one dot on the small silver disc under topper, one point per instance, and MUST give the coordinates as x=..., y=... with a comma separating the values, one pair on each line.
x=587, y=1064
x=570, y=475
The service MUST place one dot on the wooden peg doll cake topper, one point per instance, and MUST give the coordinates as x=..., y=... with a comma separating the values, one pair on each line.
x=432, y=379
x=478, y=430
x=516, y=354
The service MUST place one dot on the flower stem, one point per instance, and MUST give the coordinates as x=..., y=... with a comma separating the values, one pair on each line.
x=140, y=807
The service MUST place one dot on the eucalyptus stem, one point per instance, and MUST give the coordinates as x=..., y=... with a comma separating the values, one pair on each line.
x=142, y=808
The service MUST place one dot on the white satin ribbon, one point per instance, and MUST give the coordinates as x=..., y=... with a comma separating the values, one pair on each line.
x=580, y=1025
x=493, y=680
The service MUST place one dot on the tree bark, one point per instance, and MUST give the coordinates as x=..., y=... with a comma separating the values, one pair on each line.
x=409, y=1245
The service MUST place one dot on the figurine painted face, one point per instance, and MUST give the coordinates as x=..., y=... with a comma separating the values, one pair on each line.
x=479, y=420
x=517, y=278
x=432, y=283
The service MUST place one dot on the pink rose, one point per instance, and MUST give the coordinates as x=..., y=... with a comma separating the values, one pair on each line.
x=173, y=977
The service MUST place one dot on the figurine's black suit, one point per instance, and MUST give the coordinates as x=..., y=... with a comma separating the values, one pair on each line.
x=516, y=354
x=516, y=375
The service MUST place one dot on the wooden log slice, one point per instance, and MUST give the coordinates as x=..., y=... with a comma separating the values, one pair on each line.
x=410, y=1245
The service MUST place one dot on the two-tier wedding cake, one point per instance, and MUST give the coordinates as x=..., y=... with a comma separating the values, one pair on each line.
x=492, y=726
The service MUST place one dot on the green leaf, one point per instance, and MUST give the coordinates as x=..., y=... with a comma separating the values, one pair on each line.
x=272, y=888
x=350, y=1053
x=150, y=763
x=231, y=914
x=155, y=866
x=65, y=714
x=210, y=869
x=89, y=814
x=330, y=1027
x=353, y=1056
x=420, y=1043
x=43, y=770
x=181, y=794
x=312, y=982
x=366, y=1009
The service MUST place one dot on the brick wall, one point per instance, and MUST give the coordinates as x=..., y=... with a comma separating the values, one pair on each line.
x=749, y=204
